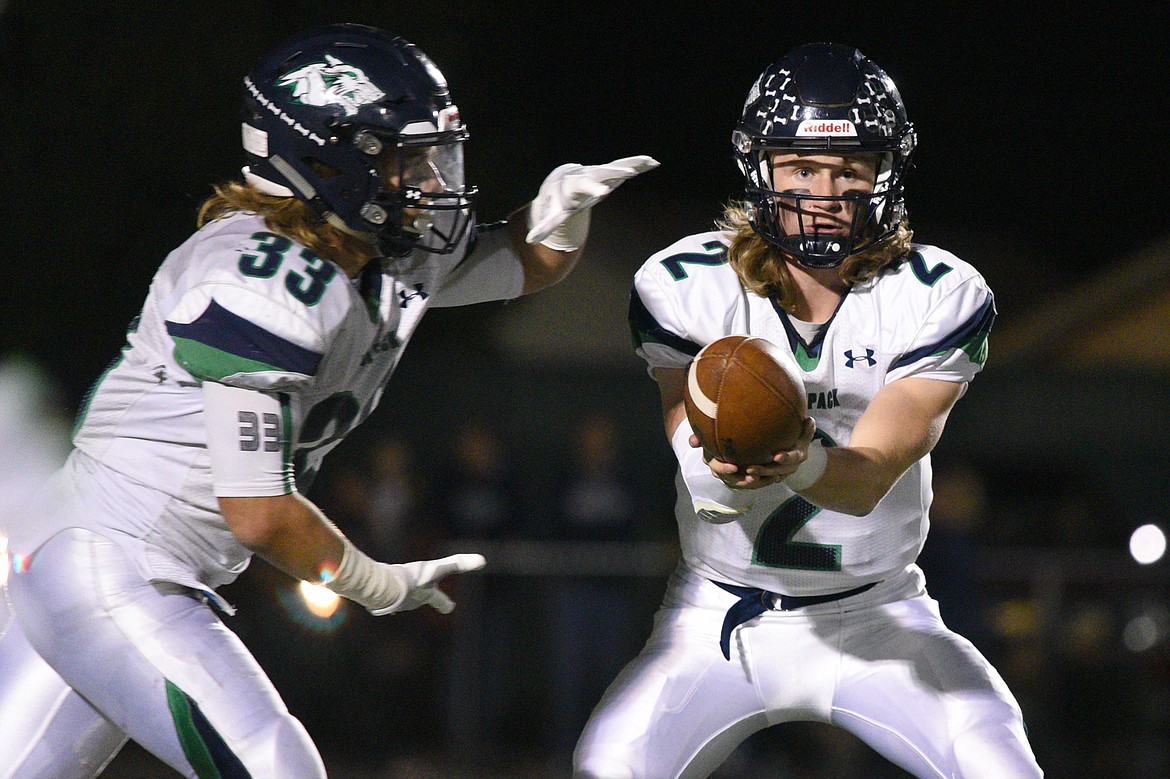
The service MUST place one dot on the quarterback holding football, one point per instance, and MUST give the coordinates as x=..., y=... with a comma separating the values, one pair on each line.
x=798, y=596
x=265, y=338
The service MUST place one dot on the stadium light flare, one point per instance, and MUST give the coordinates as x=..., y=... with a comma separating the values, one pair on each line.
x=320, y=601
x=1147, y=544
x=1147, y=629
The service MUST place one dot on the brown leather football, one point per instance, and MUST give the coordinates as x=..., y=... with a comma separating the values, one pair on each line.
x=745, y=399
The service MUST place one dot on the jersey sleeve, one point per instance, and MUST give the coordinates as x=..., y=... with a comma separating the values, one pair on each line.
x=951, y=342
x=683, y=298
x=659, y=337
x=490, y=270
x=254, y=332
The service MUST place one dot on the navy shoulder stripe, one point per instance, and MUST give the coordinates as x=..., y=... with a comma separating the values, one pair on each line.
x=240, y=343
x=644, y=328
x=971, y=336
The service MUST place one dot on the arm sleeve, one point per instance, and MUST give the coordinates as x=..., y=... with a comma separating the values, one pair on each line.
x=713, y=500
x=654, y=329
x=247, y=442
x=491, y=270
x=683, y=298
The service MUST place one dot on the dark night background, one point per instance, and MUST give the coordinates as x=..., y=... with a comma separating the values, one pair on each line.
x=1042, y=160
x=1041, y=132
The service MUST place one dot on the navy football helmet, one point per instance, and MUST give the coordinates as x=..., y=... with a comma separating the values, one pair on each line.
x=830, y=99
x=358, y=123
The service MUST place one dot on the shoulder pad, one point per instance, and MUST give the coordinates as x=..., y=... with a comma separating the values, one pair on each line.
x=684, y=297
x=255, y=302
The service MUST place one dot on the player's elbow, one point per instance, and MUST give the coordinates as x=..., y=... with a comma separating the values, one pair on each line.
x=256, y=522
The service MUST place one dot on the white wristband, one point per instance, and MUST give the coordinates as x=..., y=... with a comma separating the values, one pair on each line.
x=811, y=469
x=364, y=580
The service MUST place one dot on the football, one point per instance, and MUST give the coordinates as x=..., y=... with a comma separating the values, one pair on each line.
x=745, y=399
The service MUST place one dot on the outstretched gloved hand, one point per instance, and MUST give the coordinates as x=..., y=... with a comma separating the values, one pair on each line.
x=559, y=216
x=421, y=579
x=384, y=588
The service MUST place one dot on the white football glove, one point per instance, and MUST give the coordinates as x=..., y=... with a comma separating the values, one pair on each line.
x=421, y=580
x=559, y=216
x=384, y=588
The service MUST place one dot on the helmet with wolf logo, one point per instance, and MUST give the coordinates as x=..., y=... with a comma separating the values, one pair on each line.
x=358, y=123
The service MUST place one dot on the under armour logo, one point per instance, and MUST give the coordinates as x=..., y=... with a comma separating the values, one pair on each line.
x=409, y=296
x=868, y=357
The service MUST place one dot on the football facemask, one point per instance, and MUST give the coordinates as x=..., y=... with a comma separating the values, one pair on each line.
x=829, y=99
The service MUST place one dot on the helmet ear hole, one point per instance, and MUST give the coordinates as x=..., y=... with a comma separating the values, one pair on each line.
x=324, y=170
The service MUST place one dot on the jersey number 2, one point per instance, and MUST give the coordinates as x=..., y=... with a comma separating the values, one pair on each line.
x=674, y=264
x=774, y=545
x=776, y=549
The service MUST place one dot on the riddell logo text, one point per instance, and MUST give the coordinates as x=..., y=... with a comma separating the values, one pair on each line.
x=825, y=127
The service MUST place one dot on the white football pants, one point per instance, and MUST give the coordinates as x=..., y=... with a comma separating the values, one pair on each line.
x=888, y=671
x=93, y=654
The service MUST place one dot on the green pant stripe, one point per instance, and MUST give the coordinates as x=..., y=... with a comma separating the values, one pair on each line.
x=196, y=751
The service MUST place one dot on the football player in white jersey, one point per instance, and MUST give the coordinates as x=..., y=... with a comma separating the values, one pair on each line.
x=797, y=596
x=264, y=339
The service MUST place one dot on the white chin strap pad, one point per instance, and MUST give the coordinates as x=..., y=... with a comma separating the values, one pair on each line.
x=265, y=186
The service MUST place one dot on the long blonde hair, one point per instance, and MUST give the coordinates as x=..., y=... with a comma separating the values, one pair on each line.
x=762, y=268
x=288, y=216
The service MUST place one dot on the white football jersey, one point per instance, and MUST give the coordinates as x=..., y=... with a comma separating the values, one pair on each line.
x=240, y=305
x=927, y=317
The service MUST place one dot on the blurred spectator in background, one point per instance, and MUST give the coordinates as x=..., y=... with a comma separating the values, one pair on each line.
x=480, y=498
x=954, y=547
x=596, y=501
x=404, y=656
x=1080, y=517
x=595, y=624
x=394, y=500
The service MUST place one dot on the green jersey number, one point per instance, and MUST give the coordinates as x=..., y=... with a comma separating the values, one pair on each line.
x=927, y=276
x=674, y=264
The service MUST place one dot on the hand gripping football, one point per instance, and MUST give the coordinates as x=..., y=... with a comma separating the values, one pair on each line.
x=745, y=399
